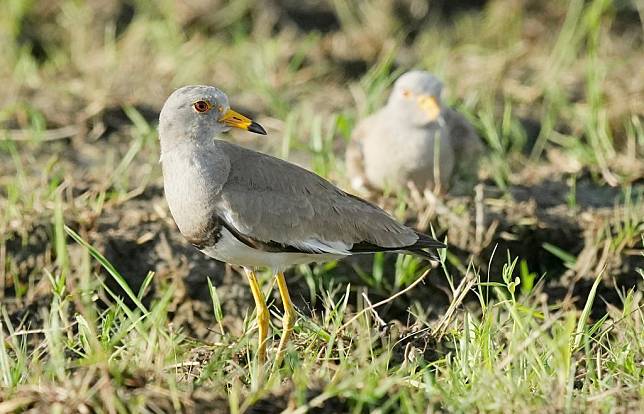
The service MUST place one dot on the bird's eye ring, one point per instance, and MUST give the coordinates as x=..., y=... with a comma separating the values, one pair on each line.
x=201, y=106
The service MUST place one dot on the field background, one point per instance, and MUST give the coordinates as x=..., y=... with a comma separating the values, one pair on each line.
x=536, y=305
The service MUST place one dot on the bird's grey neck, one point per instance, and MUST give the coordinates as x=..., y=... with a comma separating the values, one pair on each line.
x=175, y=135
x=198, y=158
x=172, y=141
x=193, y=174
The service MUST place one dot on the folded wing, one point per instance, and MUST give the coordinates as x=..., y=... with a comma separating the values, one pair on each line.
x=276, y=205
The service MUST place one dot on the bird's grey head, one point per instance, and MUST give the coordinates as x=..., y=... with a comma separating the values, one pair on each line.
x=416, y=96
x=198, y=112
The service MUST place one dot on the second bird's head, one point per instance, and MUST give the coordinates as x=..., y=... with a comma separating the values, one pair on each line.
x=201, y=112
x=416, y=98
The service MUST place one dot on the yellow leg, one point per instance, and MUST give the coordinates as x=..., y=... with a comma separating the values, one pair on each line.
x=262, y=313
x=288, y=320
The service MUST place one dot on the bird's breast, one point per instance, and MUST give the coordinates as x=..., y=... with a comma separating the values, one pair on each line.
x=190, y=192
x=394, y=157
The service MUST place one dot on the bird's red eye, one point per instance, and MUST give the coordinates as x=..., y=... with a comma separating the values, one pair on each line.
x=201, y=106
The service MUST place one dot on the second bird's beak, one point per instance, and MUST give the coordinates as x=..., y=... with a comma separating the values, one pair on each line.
x=429, y=105
x=237, y=120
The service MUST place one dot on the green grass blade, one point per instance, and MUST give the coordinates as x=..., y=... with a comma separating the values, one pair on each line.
x=118, y=278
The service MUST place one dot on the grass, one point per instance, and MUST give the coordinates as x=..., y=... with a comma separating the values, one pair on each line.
x=535, y=306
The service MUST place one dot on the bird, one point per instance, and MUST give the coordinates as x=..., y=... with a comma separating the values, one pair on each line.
x=413, y=138
x=256, y=211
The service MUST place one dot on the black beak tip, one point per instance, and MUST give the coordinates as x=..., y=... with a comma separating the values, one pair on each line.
x=257, y=128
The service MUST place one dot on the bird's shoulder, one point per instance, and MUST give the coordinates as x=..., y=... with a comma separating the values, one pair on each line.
x=365, y=125
x=258, y=171
x=376, y=128
x=461, y=132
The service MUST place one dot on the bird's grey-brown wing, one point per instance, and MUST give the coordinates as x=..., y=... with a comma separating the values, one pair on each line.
x=466, y=143
x=270, y=201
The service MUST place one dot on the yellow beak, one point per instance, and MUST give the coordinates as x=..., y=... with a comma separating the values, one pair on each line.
x=237, y=120
x=429, y=105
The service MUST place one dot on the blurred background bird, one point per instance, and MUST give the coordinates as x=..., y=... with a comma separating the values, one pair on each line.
x=414, y=139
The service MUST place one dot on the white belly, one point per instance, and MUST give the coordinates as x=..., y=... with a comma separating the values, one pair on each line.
x=230, y=250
